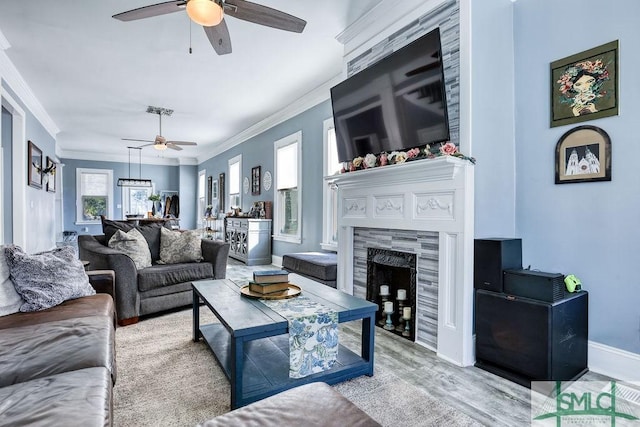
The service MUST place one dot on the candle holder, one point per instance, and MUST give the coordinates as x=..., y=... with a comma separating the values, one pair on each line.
x=384, y=299
x=389, y=324
x=407, y=327
x=400, y=326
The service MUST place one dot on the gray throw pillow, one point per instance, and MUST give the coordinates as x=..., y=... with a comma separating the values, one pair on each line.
x=176, y=246
x=47, y=279
x=133, y=244
x=10, y=300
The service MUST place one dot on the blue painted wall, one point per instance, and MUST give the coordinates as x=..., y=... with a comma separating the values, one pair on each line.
x=188, y=187
x=258, y=151
x=588, y=229
x=164, y=178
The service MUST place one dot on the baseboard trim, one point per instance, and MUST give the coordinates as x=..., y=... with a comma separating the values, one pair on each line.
x=614, y=362
x=276, y=260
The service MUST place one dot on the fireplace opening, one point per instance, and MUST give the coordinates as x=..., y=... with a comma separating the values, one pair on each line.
x=391, y=283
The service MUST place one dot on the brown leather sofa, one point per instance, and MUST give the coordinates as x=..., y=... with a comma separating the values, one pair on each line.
x=57, y=366
x=310, y=405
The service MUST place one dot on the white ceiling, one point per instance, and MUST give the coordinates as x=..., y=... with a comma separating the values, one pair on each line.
x=95, y=76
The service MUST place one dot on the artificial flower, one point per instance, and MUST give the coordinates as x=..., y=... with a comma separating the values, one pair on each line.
x=384, y=160
x=400, y=157
x=448, y=149
x=370, y=161
x=357, y=162
x=413, y=153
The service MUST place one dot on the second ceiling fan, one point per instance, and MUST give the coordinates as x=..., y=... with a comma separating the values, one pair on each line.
x=210, y=14
x=161, y=143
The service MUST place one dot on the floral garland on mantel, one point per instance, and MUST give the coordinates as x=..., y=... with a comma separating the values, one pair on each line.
x=396, y=157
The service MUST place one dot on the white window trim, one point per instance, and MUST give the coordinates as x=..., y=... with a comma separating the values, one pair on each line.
x=287, y=140
x=236, y=159
x=125, y=196
x=327, y=243
x=79, y=172
x=200, y=215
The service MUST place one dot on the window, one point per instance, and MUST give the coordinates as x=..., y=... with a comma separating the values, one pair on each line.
x=331, y=166
x=94, y=195
x=235, y=166
x=288, y=209
x=202, y=201
x=135, y=200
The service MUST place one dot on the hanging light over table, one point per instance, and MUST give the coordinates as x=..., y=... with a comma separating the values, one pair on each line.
x=134, y=182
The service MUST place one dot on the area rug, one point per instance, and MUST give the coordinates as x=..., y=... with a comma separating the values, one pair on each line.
x=166, y=379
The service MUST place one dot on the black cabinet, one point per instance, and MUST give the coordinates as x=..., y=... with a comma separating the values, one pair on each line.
x=526, y=340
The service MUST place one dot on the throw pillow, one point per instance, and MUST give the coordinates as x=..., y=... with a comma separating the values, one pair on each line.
x=176, y=246
x=47, y=279
x=10, y=300
x=133, y=244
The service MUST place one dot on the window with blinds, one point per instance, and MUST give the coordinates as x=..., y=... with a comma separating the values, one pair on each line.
x=94, y=195
x=288, y=209
x=235, y=166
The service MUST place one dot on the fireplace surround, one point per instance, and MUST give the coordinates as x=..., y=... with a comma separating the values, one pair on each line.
x=432, y=195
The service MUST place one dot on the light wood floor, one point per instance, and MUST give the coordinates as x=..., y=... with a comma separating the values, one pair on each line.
x=485, y=397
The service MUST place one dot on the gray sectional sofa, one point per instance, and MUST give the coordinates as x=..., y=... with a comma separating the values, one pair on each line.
x=156, y=288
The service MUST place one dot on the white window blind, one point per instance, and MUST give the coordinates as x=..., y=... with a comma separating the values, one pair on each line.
x=94, y=184
x=287, y=162
x=234, y=178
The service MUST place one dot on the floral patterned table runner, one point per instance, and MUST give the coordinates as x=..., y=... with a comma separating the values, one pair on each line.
x=313, y=334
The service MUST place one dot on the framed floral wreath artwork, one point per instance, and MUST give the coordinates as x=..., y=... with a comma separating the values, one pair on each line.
x=584, y=86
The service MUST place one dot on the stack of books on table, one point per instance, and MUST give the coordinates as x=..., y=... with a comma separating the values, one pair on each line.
x=269, y=281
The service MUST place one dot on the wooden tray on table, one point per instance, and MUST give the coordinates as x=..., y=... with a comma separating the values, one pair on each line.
x=294, y=290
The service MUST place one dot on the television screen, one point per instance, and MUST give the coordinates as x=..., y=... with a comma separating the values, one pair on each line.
x=395, y=104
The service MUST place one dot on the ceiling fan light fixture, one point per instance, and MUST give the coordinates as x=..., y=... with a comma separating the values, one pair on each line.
x=205, y=12
x=160, y=147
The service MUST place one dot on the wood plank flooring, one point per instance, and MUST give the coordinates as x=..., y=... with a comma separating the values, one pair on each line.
x=485, y=397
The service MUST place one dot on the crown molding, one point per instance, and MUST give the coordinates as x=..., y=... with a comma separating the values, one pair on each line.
x=124, y=158
x=302, y=104
x=4, y=43
x=14, y=80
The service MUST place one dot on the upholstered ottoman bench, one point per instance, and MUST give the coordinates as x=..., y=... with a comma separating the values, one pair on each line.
x=319, y=266
x=310, y=405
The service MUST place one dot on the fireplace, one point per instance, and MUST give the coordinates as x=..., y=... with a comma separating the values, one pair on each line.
x=425, y=208
x=391, y=277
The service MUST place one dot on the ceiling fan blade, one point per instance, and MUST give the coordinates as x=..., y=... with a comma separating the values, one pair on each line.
x=137, y=140
x=151, y=10
x=182, y=143
x=219, y=38
x=145, y=145
x=174, y=147
x=263, y=15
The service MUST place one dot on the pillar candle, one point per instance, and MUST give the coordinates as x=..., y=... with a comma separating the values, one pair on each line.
x=388, y=306
x=384, y=290
x=406, y=313
x=402, y=294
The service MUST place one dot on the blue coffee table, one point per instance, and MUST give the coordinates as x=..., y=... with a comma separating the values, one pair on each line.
x=251, y=341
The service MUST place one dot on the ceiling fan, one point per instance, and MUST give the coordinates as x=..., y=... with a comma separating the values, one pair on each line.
x=210, y=14
x=161, y=143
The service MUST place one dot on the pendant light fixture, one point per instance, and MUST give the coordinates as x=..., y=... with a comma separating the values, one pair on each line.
x=134, y=182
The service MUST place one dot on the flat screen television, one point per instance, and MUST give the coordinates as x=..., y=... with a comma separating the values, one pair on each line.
x=396, y=104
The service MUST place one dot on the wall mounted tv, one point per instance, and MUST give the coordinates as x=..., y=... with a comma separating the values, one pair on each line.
x=397, y=103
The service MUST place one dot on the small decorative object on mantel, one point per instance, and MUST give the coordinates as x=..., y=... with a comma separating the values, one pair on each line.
x=396, y=157
x=34, y=165
x=584, y=86
x=583, y=154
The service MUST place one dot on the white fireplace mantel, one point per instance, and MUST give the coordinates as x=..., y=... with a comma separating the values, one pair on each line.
x=425, y=195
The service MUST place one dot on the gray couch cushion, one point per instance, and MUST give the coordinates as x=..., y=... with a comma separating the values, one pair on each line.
x=319, y=265
x=150, y=232
x=55, y=347
x=161, y=275
x=78, y=398
x=177, y=247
